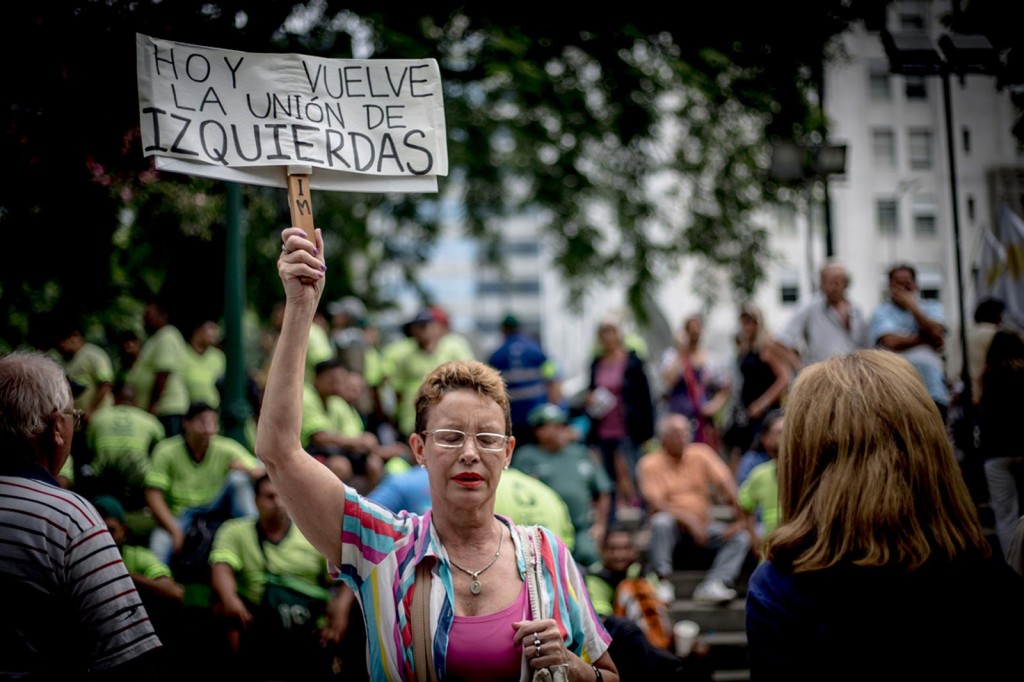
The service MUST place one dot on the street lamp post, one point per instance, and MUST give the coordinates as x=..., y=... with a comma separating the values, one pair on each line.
x=915, y=55
x=793, y=163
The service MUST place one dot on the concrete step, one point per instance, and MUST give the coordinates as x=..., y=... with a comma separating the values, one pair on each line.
x=728, y=650
x=730, y=617
x=730, y=676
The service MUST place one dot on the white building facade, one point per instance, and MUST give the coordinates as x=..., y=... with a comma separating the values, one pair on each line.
x=892, y=205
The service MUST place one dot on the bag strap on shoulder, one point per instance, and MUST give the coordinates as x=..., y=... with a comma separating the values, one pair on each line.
x=422, y=647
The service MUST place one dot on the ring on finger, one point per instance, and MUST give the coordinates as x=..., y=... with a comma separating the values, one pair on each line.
x=536, y=654
x=285, y=249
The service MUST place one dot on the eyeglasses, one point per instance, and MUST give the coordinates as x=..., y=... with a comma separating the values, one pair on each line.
x=78, y=415
x=453, y=438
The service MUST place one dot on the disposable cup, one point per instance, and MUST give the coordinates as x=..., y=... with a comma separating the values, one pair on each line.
x=685, y=632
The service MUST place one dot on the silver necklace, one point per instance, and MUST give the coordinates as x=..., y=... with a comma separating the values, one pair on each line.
x=475, y=587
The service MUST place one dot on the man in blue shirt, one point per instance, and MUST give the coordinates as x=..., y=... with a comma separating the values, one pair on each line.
x=915, y=329
x=530, y=376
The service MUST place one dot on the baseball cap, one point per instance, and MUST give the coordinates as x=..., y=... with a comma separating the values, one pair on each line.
x=108, y=506
x=548, y=413
x=424, y=316
x=347, y=305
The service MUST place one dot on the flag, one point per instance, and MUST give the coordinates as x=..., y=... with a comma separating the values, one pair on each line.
x=1011, y=237
x=991, y=274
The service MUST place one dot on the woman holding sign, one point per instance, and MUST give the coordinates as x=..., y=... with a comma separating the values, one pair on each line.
x=445, y=595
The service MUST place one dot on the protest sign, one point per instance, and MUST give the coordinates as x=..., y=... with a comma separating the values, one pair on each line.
x=356, y=124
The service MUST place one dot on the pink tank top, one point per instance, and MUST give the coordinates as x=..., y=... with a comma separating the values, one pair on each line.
x=480, y=647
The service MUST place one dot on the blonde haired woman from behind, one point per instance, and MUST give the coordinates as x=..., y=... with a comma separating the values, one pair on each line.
x=879, y=568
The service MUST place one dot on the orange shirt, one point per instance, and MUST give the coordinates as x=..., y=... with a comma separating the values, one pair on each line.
x=685, y=484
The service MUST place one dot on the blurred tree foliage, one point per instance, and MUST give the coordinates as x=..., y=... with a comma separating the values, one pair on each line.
x=637, y=135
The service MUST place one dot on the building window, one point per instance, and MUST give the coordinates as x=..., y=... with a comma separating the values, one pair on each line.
x=521, y=248
x=879, y=81
x=883, y=147
x=965, y=136
x=924, y=212
x=920, y=149
x=521, y=287
x=887, y=217
x=929, y=282
x=786, y=215
x=911, y=15
x=916, y=87
x=789, y=288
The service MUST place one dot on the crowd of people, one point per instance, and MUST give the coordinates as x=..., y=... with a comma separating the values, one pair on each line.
x=438, y=484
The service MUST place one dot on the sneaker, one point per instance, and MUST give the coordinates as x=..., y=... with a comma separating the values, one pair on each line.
x=713, y=592
x=665, y=591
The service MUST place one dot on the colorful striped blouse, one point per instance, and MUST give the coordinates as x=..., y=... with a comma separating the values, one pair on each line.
x=380, y=552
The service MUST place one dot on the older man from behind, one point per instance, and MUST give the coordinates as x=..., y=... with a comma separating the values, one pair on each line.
x=70, y=607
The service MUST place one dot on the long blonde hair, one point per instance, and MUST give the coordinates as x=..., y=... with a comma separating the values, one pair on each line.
x=762, y=337
x=866, y=471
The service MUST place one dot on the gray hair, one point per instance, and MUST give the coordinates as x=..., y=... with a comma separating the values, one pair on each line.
x=33, y=386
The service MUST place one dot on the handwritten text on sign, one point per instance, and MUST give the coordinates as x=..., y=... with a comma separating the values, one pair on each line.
x=237, y=109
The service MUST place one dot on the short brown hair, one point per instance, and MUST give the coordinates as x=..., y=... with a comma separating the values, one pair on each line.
x=866, y=471
x=461, y=375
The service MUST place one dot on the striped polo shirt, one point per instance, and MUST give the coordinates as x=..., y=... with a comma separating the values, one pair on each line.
x=69, y=603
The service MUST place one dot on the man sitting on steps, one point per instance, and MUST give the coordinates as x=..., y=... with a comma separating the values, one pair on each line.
x=677, y=482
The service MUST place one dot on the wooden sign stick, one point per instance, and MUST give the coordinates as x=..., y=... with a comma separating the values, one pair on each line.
x=300, y=201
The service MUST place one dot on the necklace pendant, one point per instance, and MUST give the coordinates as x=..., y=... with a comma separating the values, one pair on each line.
x=475, y=587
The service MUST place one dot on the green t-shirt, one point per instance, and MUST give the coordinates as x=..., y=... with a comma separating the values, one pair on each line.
x=336, y=416
x=202, y=373
x=527, y=502
x=602, y=593
x=162, y=352
x=761, y=491
x=188, y=484
x=373, y=368
x=455, y=346
x=121, y=438
x=142, y=561
x=90, y=367
x=318, y=349
x=237, y=545
x=407, y=365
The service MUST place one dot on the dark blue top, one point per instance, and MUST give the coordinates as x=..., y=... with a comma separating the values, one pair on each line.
x=521, y=362
x=962, y=621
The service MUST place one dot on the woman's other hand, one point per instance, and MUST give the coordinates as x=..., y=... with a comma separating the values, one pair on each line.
x=542, y=643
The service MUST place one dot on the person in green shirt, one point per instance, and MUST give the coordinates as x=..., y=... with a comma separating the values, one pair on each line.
x=528, y=501
x=199, y=473
x=160, y=592
x=90, y=372
x=569, y=468
x=410, y=360
x=158, y=374
x=204, y=363
x=244, y=552
x=759, y=493
x=121, y=439
x=88, y=366
x=319, y=347
x=332, y=430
